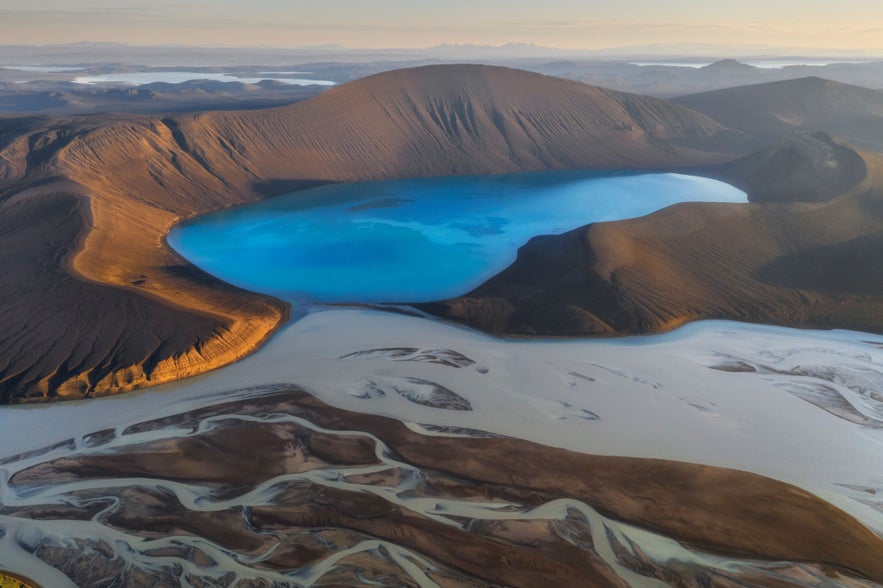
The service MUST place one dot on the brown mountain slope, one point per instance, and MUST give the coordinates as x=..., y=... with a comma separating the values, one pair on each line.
x=809, y=104
x=807, y=167
x=449, y=120
x=92, y=301
x=813, y=264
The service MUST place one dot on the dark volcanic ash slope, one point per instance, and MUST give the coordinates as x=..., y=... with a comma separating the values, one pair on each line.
x=800, y=256
x=92, y=301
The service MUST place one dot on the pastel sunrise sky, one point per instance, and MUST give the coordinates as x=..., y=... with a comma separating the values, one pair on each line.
x=571, y=24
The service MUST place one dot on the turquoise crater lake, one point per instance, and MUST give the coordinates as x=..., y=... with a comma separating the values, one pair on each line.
x=415, y=240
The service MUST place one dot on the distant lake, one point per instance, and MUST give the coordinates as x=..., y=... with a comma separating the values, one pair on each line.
x=417, y=239
x=42, y=68
x=178, y=77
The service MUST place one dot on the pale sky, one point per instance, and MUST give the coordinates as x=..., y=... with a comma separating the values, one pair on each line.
x=571, y=24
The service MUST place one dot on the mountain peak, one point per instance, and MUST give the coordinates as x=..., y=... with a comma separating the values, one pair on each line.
x=729, y=65
x=815, y=82
x=478, y=102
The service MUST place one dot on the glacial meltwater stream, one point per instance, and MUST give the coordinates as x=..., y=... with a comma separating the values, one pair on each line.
x=803, y=407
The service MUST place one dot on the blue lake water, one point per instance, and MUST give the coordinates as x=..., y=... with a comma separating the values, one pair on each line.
x=41, y=68
x=415, y=240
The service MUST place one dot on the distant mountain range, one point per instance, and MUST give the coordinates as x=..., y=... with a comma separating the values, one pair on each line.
x=66, y=98
x=667, y=80
x=39, y=92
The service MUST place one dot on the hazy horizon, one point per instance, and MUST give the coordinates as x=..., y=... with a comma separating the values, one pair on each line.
x=672, y=54
x=688, y=49
x=400, y=24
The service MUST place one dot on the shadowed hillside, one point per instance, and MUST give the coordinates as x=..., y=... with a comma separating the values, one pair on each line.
x=768, y=110
x=94, y=302
x=799, y=255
